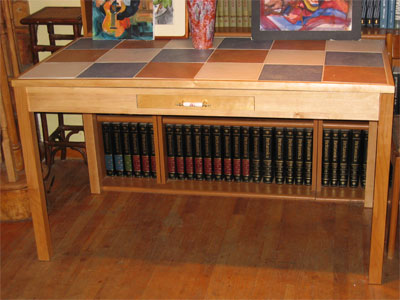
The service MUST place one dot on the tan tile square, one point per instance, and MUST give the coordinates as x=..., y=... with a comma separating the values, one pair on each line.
x=129, y=55
x=230, y=71
x=187, y=44
x=295, y=57
x=56, y=70
x=356, y=46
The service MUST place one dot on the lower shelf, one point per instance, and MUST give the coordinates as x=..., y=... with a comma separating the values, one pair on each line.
x=231, y=189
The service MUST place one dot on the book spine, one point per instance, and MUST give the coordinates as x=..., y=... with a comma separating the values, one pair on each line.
x=279, y=156
x=397, y=15
x=299, y=160
x=267, y=146
x=145, y=153
x=326, y=153
x=117, y=144
x=108, y=149
x=308, y=156
x=376, y=13
x=207, y=160
x=344, y=154
x=237, y=164
x=334, y=180
x=364, y=13
x=188, y=140
x=219, y=23
x=136, y=160
x=364, y=150
x=383, y=22
x=179, y=155
x=255, y=154
x=153, y=163
x=245, y=16
x=226, y=13
x=391, y=13
x=370, y=13
x=227, y=157
x=289, y=155
x=217, y=152
x=355, y=157
x=169, y=131
x=239, y=14
x=232, y=13
x=198, y=152
x=127, y=149
x=245, y=131
x=249, y=9
x=396, y=79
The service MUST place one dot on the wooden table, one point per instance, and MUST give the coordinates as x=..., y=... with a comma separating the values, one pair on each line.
x=282, y=80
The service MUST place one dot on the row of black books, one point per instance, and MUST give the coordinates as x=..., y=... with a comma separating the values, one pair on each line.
x=129, y=149
x=380, y=14
x=240, y=153
x=344, y=157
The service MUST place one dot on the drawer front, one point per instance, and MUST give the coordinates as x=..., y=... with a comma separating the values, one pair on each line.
x=196, y=102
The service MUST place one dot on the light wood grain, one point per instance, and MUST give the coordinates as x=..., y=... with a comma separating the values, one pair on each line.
x=34, y=176
x=94, y=158
x=381, y=188
x=369, y=183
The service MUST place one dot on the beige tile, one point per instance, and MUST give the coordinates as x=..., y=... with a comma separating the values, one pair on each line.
x=356, y=46
x=187, y=44
x=230, y=71
x=129, y=55
x=57, y=70
x=295, y=57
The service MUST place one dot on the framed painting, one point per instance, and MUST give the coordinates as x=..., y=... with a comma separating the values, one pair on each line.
x=306, y=19
x=122, y=19
x=170, y=19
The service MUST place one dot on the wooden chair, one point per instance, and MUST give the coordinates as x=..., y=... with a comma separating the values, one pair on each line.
x=59, y=139
x=395, y=160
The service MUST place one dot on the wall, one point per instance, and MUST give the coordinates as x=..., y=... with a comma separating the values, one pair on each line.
x=35, y=5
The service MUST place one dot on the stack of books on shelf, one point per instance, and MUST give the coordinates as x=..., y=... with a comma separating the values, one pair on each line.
x=344, y=157
x=233, y=16
x=129, y=149
x=383, y=14
x=239, y=153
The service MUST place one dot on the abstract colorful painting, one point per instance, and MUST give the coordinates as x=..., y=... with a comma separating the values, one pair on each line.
x=122, y=19
x=312, y=19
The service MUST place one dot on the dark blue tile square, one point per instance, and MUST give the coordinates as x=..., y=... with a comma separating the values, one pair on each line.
x=244, y=43
x=112, y=70
x=291, y=73
x=182, y=55
x=360, y=59
x=88, y=43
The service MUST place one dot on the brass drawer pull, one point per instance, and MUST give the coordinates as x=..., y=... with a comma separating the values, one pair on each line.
x=204, y=103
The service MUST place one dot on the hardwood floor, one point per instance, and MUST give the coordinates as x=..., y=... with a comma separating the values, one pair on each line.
x=125, y=245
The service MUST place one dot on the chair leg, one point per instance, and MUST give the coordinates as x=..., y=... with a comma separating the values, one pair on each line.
x=395, y=208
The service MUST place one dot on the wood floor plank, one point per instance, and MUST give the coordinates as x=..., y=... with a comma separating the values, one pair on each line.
x=132, y=245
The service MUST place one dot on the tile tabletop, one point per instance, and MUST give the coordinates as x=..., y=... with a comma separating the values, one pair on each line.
x=229, y=59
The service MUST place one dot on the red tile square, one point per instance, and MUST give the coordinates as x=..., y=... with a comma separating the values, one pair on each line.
x=299, y=45
x=354, y=74
x=133, y=44
x=238, y=56
x=170, y=70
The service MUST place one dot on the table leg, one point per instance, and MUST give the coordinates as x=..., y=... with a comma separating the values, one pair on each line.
x=381, y=188
x=34, y=177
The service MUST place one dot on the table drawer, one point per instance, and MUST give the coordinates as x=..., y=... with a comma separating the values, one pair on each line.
x=185, y=102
